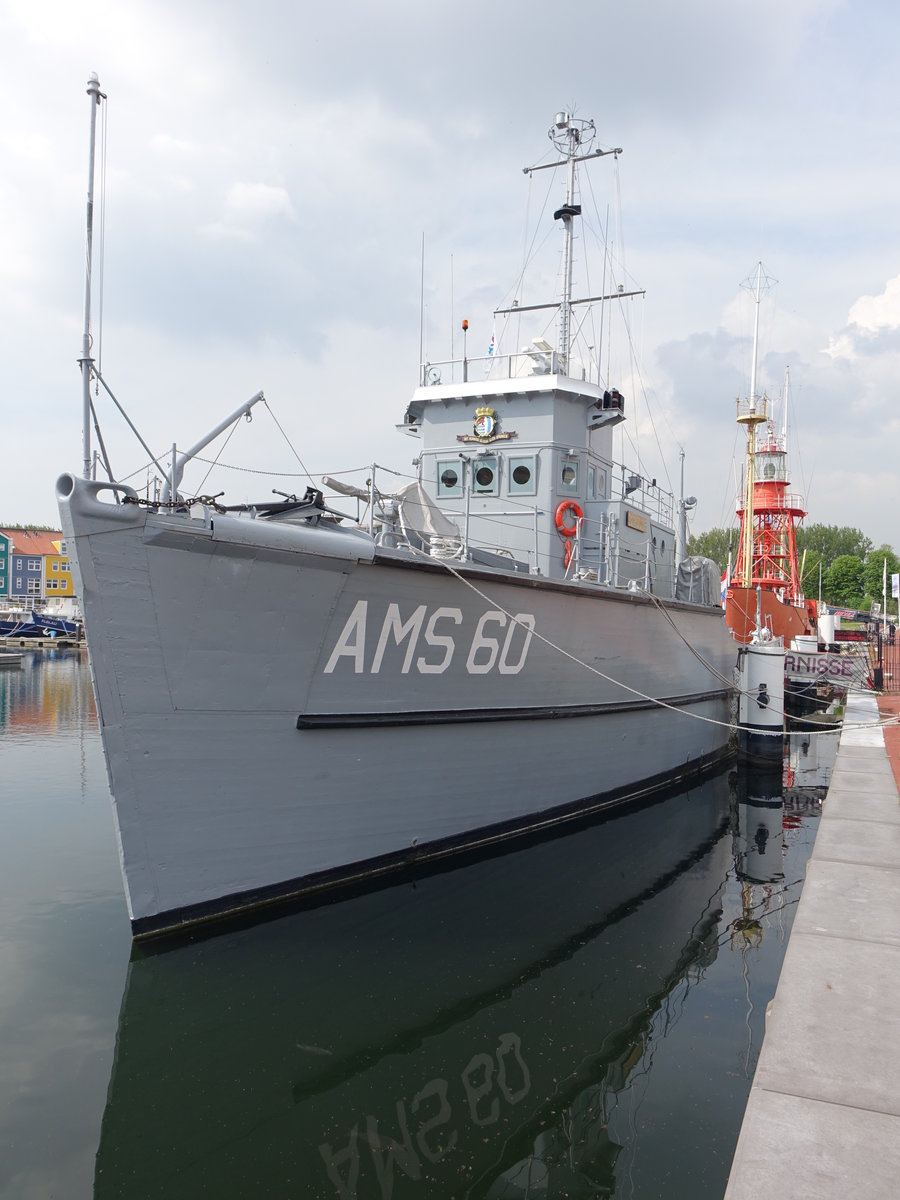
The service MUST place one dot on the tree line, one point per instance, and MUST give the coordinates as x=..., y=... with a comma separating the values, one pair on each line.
x=852, y=569
x=32, y=528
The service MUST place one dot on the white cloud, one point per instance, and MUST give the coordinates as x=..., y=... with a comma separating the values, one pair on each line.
x=253, y=201
x=169, y=146
x=248, y=206
x=841, y=345
x=870, y=322
x=872, y=313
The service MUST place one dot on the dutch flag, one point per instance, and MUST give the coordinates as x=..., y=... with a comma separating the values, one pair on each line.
x=492, y=350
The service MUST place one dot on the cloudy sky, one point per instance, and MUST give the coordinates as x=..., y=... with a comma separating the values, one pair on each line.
x=272, y=170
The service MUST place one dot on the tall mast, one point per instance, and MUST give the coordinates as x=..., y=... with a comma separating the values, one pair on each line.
x=755, y=336
x=752, y=417
x=87, y=363
x=567, y=212
x=747, y=541
x=569, y=135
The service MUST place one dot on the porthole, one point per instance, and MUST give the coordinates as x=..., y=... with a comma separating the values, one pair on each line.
x=522, y=476
x=484, y=477
x=449, y=478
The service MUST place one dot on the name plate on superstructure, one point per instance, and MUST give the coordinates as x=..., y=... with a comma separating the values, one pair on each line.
x=636, y=521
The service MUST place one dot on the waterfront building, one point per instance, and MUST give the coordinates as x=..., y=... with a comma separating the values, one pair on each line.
x=57, y=572
x=36, y=566
x=4, y=565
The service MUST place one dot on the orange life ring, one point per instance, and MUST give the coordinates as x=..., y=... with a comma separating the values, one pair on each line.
x=566, y=506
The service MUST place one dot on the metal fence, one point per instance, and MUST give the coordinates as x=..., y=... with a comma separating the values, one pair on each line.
x=885, y=655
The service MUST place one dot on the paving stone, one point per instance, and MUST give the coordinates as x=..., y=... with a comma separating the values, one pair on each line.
x=870, y=843
x=807, y=1150
x=847, y=900
x=833, y=1029
x=823, y=1117
x=872, y=799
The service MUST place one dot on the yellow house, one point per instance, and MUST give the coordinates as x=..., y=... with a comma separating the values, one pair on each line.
x=57, y=574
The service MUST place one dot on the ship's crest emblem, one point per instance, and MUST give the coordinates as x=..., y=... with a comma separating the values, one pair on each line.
x=486, y=428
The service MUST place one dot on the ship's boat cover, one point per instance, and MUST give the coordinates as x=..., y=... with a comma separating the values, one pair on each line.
x=419, y=515
x=699, y=581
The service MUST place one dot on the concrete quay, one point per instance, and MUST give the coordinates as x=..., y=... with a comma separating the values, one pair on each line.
x=823, y=1117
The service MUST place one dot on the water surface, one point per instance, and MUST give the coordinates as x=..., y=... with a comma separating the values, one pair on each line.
x=579, y=1017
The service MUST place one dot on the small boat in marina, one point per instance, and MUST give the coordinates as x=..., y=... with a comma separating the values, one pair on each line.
x=20, y=626
x=57, y=625
x=510, y=626
x=10, y=618
x=36, y=625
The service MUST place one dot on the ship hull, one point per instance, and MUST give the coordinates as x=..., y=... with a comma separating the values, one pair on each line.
x=283, y=707
x=784, y=620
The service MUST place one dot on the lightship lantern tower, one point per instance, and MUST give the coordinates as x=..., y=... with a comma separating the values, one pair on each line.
x=768, y=512
x=766, y=570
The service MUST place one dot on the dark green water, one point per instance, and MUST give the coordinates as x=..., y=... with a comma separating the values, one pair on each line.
x=578, y=1018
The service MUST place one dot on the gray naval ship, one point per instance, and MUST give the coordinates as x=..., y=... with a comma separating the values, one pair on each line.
x=500, y=645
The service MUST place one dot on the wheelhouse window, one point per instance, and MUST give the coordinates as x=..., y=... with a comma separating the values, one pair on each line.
x=522, y=476
x=485, y=476
x=450, y=478
x=568, y=476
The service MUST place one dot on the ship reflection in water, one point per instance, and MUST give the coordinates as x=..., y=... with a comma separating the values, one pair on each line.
x=488, y=1031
